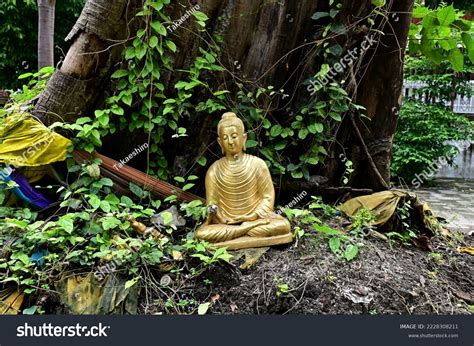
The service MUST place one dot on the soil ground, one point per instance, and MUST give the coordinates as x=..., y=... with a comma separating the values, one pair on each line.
x=385, y=278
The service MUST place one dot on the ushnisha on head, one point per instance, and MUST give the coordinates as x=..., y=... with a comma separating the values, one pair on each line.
x=232, y=136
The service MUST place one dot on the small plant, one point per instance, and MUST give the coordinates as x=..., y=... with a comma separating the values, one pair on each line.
x=404, y=211
x=373, y=312
x=406, y=233
x=362, y=221
x=298, y=232
x=326, y=209
x=282, y=289
x=339, y=243
x=35, y=86
x=437, y=257
x=302, y=217
x=349, y=169
x=206, y=253
x=404, y=237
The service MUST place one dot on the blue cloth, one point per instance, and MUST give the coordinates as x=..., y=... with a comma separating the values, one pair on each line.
x=24, y=189
x=38, y=257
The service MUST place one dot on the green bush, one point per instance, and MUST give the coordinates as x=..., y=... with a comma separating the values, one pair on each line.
x=421, y=137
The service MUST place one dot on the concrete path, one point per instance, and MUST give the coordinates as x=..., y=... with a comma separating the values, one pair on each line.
x=452, y=200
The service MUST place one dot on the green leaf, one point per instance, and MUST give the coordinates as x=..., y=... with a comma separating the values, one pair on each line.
x=200, y=16
x=335, y=116
x=179, y=179
x=159, y=28
x=73, y=254
x=66, y=223
x=187, y=186
x=319, y=15
x=447, y=44
x=203, y=308
x=82, y=121
x=106, y=182
x=444, y=31
x=137, y=190
x=335, y=244
x=469, y=42
x=126, y=200
x=338, y=28
x=457, y=59
x=319, y=127
x=446, y=15
x=171, y=45
x=420, y=12
x=30, y=311
x=297, y=174
x=130, y=53
x=104, y=120
x=303, y=133
x=117, y=110
x=158, y=5
x=110, y=222
x=153, y=41
x=119, y=74
x=280, y=145
x=378, y=3
x=25, y=75
x=94, y=201
x=131, y=283
x=22, y=257
x=181, y=85
x=127, y=99
x=251, y=143
x=276, y=130
x=351, y=252
x=202, y=161
x=167, y=217
x=105, y=206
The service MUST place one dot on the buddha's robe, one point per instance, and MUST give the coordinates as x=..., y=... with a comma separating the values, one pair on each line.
x=241, y=188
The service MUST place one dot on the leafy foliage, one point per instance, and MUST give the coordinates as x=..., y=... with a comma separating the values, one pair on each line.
x=440, y=34
x=423, y=132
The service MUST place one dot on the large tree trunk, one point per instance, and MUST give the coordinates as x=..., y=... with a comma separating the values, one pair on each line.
x=264, y=43
x=46, y=9
x=378, y=87
x=97, y=38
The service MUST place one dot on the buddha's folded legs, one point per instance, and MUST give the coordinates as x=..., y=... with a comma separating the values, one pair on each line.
x=277, y=226
x=220, y=232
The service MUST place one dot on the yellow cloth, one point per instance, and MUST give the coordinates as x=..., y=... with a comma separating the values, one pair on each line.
x=25, y=142
x=382, y=204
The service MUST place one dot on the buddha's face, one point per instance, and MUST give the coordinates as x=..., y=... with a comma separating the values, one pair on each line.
x=232, y=139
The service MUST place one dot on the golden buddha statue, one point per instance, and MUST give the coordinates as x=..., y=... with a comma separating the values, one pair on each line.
x=240, y=196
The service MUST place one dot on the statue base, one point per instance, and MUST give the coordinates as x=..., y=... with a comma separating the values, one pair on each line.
x=251, y=242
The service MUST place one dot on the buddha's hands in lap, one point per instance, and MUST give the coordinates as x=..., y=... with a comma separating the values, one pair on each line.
x=243, y=218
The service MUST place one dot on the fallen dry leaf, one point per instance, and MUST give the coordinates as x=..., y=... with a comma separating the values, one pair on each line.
x=177, y=255
x=465, y=249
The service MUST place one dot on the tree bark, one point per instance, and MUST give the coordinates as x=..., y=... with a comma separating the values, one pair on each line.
x=46, y=9
x=379, y=90
x=98, y=38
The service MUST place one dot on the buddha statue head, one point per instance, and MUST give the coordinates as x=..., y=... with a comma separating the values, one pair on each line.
x=232, y=136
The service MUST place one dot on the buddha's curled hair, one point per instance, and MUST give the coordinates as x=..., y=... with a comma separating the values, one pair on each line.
x=229, y=119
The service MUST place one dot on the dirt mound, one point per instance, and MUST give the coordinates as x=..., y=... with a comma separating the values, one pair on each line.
x=308, y=278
